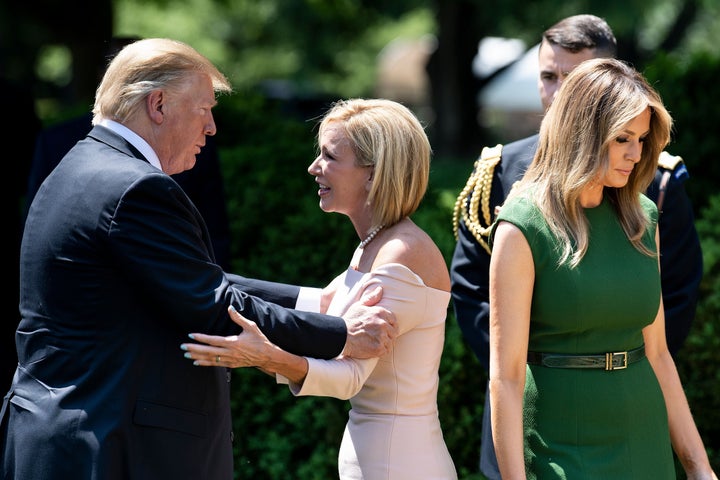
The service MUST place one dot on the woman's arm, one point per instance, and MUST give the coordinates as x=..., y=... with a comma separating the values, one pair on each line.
x=684, y=435
x=512, y=276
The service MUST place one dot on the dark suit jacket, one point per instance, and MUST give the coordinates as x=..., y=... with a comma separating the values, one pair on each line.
x=680, y=259
x=116, y=269
x=203, y=183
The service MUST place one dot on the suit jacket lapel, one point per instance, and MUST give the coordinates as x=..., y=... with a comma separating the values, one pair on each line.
x=112, y=139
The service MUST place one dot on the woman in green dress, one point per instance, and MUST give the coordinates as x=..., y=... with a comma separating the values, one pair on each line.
x=582, y=384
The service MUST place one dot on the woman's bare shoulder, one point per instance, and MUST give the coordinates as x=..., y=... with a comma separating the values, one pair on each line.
x=414, y=248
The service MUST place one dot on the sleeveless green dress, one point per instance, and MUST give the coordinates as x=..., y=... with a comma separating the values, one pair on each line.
x=591, y=423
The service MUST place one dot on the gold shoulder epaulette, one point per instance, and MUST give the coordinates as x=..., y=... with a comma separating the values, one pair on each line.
x=669, y=162
x=476, y=195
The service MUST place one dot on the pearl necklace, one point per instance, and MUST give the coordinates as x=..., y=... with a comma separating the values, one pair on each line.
x=370, y=237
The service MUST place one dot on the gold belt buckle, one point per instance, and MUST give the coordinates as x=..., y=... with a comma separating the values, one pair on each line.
x=609, y=361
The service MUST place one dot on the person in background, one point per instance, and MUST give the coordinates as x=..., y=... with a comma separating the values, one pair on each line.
x=203, y=183
x=373, y=166
x=582, y=384
x=116, y=268
x=564, y=46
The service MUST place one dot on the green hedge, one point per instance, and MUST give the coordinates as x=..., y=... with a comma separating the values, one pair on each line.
x=699, y=360
x=689, y=88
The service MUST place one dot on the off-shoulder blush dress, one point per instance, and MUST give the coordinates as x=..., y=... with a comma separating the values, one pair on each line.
x=393, y=431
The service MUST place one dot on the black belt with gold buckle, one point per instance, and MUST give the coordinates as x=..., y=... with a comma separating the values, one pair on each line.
x=606, y=361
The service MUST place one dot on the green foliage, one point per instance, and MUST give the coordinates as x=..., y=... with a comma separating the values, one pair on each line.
x=700, y=357
x=689, y=89
x=278, y=230
x=278, y=436
x=313, y=45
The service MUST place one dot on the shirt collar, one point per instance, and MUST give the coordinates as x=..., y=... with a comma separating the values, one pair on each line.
x=136, y=140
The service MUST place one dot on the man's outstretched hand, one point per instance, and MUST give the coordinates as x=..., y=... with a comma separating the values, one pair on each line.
x=371, y=328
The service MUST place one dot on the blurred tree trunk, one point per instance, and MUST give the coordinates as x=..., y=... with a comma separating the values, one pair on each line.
x=455, y=130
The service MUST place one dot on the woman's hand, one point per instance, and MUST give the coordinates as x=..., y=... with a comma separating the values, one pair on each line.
x=251, y=348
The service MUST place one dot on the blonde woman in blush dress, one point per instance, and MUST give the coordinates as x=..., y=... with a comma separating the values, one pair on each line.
x=373, y=166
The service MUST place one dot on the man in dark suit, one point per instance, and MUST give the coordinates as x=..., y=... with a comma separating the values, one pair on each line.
x=564, y=46
x=116, y=269
x=203, y=183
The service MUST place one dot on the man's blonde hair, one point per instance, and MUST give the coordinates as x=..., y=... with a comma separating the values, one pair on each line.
x=147, y=65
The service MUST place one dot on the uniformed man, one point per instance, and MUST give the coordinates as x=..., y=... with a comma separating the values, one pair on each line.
x=564, y=45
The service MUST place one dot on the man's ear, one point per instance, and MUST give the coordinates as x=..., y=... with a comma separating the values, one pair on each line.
x=154, y=103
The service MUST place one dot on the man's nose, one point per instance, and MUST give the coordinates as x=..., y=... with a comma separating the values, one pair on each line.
x=211, y=128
